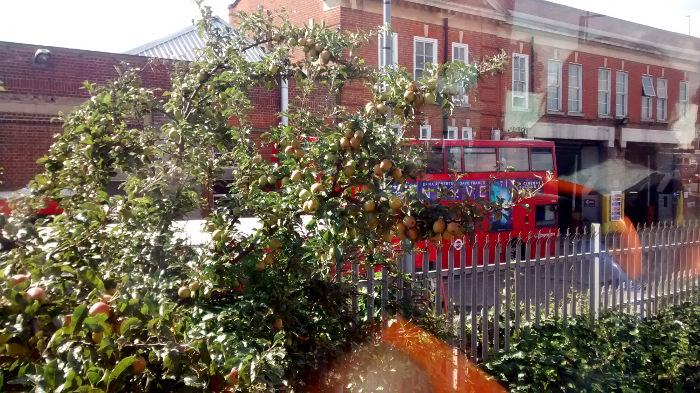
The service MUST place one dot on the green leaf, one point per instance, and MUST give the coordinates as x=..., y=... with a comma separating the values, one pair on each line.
x=121, y=367
x=77, y=319
x=126, y=325
x=50, y=371
x=93, y=323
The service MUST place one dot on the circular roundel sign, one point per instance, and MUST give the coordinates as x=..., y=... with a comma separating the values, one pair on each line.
x=458, y=244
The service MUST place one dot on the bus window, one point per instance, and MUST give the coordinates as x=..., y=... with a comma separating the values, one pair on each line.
x=514, y=159
x=542, y=159
x=434, y=160
x=453, y=157
x=545, y=216
x=479, y=159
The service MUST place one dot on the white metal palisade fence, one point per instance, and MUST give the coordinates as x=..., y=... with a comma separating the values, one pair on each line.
x=531, y=279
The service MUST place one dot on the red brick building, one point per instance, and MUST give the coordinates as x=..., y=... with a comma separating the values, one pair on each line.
x=39, y=83
x=600, y=87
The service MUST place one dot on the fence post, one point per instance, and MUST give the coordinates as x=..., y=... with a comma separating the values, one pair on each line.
x=595, y=239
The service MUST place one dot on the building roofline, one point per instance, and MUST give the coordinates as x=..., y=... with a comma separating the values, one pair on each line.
x=525, y=14
x=75, y=51
x=160, y=41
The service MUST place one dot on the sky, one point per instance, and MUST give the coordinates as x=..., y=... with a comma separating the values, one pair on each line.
x=117, y=26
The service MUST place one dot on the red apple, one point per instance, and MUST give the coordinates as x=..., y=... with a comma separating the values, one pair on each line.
x=36, y=293
x=18, y=279
x=99, y=308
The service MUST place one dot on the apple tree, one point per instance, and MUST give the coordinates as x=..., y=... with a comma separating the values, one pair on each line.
x=109, y=295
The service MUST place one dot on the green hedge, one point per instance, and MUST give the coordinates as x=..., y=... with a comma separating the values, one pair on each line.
x=619, y=354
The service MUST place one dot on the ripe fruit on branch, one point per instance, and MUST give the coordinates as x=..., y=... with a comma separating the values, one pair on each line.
x=453, y=89
x=453, y=228
x=397, y=174
x=18, y=279
x=369, y=206
x=429, y=99
x=385, y=165
x=349, y=169
x=359, y=135
x=184, y=292
x=232, y=377
x=275, y=243
x=97, y=337
x=305, y=195
x=289, y=150
x=355, y=143
x=409, y=96
x=36, y=293
x=317, y=188
x=396, y=203
x=138, y=365
x=370, y=109
x=439, y=226
x=382, y=109
x=310, y=206
x=378, y=170
x=413, y=234
x=345, y=143
x=296, y=175
x=409, y=221
x=99, y=308
x=279, y=324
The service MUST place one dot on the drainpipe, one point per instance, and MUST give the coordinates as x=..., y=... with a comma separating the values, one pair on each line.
x=284, y=99
x=444, y=60
x=388, y=39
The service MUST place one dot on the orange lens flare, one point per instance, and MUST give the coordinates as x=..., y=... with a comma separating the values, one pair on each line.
x=409, y=359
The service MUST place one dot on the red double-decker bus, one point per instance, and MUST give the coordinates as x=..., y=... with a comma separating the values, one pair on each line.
x=489, y=169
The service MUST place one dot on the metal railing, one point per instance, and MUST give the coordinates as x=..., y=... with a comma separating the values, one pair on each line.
x=640, y=271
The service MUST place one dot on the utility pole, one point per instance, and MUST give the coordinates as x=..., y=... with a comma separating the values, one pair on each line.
x=688, y=16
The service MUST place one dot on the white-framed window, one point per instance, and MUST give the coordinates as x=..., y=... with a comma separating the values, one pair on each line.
x=520, y=81
x=661, y=99
x=648, y=93
x=554, y=85
x=575, y=88
x=394, y=48
x=467, y=133
x=603, y=92
x=424, y=52
x=425, y=131
x=621, y=94
x=460, y=53
x=452, y=133
x=683, y=99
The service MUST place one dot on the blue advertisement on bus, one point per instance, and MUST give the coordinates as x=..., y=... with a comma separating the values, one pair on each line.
x=497, y=190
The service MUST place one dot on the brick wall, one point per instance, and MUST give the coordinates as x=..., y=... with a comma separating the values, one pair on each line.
x=35, y=94
x=491, y=106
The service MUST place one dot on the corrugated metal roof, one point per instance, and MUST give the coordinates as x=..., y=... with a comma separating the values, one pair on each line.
x=183, y=45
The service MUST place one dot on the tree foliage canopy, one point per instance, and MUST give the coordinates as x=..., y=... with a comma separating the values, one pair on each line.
x=108, y=296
